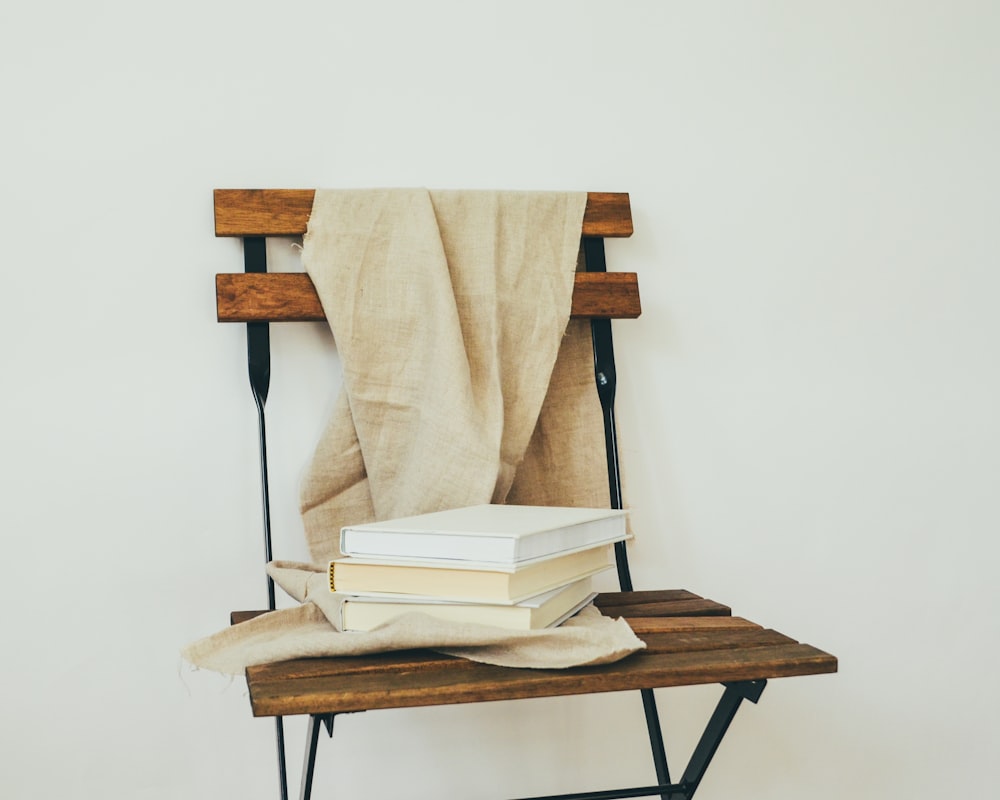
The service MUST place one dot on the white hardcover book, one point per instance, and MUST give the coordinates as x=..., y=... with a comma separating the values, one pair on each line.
x=467, y=581
x=363, y=613
x=486, y=534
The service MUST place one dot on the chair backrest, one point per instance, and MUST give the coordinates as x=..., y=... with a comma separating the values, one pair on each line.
x=257, y=298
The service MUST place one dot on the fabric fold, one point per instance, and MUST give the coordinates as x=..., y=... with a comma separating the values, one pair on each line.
x=310, y=630
x=450, y=312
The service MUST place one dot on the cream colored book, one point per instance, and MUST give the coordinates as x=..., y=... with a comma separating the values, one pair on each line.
x=496, y=534
x=478, y=583
x=543, y=611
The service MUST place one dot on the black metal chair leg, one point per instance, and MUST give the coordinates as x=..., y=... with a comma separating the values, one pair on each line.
x=715, y=730
x=655, y=738
x=726, y=709
x=279, y=735
x=309, y=762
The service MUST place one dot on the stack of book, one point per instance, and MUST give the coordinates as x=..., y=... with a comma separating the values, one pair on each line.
x=521, y=567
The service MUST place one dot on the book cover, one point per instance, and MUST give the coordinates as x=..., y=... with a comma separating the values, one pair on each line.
x=493, y=534
x=546, y=610
x=453, y=580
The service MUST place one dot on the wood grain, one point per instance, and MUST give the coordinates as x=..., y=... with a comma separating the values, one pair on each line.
x=702, y=646
x=678, y=608
x=663, y=603
x=643, y=596
x=285, y=212
x=648, y=625
x=291, y=297
x=450, y=681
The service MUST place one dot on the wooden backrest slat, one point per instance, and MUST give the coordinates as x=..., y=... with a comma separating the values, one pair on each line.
x=291, y=297
x=285, y=212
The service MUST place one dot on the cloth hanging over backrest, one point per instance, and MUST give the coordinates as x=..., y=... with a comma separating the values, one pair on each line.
x=449, y=310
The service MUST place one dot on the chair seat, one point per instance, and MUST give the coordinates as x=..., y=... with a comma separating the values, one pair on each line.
x=689, y=640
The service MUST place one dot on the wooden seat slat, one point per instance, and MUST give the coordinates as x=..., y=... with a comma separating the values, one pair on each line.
x=451, y=681
x=671, y=608
x=644, y=596
x=285, y=212
x=645, y=625
x=693, y=641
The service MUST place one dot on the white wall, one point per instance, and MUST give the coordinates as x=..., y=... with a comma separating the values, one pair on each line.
x=809, y=402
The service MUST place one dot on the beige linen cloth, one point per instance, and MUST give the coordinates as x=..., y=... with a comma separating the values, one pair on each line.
x=463, y=384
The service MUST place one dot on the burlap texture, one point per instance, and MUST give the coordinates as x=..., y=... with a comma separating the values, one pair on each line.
x=449, y=310
x=309, y=630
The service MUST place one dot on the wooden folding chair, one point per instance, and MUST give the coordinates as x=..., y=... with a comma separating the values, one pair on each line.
x=690, y=640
